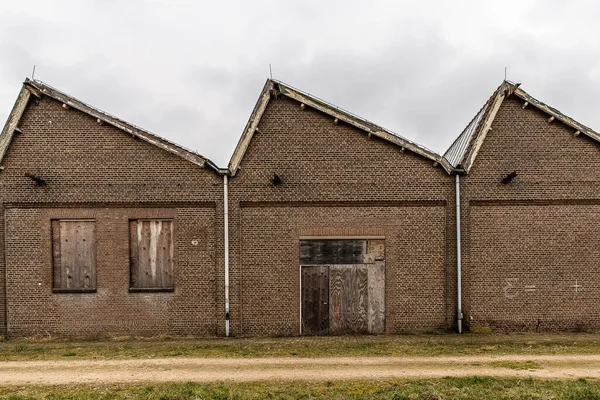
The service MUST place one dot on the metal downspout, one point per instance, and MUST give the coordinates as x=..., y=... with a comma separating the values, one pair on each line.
x=226, y=244
x=459, y=314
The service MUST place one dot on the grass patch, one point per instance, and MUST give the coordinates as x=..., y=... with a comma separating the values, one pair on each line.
x=351, y=346
x=517, y=365
x=425, y=389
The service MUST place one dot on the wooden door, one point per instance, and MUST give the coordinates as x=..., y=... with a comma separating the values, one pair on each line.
x=315, y=300
x=343, y=286
x=349, y=298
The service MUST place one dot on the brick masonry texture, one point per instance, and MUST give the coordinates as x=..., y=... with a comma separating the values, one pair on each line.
x=415, y=279
x=335, y=180
x=528, y=244
x=530, y=247
x=100, y=172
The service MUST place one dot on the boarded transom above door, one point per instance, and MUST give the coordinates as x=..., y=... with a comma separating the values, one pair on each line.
x=343, y=286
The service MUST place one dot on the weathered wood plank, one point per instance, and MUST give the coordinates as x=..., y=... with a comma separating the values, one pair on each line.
x=164, y=260
x=376, y=279
x=336, y=306
x=87, y=260
x=348, y=299
x=155, y=276
x=315, y=300
x=77, y=254
x=56, y=263
x=154, y=263
x=134, y=263
x=172, y=254
x=358, y=304
x=67, y=256
x=376, y=247
x=144, y=243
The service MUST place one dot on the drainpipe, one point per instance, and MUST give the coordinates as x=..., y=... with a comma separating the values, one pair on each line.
x=459, y=314
x=226, y=232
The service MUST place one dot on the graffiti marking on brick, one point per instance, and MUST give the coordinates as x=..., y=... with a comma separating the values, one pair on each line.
x=530, y=288
x=510, y=291
x=577, y=287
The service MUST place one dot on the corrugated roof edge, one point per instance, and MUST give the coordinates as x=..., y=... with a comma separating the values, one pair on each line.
x=152, y=138
x=463, y=142
x=458, y=148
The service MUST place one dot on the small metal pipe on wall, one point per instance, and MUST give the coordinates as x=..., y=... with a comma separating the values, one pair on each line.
x=226, y=245
x=459, y=315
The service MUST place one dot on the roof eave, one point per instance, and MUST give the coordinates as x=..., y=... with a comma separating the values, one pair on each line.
x=250, y=128
x=565, y=119
x=13, y=121
x=357, y=122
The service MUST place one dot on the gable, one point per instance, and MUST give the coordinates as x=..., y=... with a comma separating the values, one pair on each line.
x=39, y=90
x=307, y=148
x=523, y=140
x=79, y=159
x=463, y=152
x=275, y=89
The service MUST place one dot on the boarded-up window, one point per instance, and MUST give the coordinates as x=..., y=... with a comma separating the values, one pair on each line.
x=74, y=255
x=151, y=254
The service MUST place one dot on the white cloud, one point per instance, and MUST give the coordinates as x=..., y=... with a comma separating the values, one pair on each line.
x=191, y=71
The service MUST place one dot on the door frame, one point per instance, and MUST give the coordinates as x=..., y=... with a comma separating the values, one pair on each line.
x=330, y=237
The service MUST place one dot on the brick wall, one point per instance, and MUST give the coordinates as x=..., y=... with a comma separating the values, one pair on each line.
x=530, y=248
x=100, y=172
x=335, y=179
x=529, y=244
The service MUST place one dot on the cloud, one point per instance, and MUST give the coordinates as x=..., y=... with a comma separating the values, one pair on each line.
x=192, y=71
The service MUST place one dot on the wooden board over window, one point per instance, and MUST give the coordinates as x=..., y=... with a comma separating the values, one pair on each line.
x=151, y=254
x=332, y=251
x=74, y=255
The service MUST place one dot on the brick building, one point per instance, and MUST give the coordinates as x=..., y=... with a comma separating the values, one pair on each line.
x=305, y=174
x=77, y=187
x=530, y=216
x=334, y=224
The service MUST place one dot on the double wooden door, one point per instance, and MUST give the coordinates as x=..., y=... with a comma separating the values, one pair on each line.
x=342, y=298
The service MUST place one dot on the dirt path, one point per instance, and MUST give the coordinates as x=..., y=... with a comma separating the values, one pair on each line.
x=214, y=369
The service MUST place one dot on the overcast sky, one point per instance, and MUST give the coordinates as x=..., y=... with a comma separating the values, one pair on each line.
x=191, y=71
